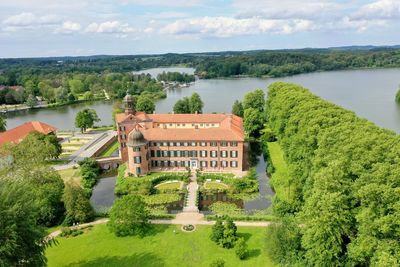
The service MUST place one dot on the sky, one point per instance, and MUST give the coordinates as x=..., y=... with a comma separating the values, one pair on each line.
x=43, y=28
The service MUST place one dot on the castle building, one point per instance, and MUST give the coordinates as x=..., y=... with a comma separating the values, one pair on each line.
x=175, y=142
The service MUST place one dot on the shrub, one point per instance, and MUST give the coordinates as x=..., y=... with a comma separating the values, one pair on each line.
x=223, y=208
x=241, y=249
x=129, y=216
x=217, y=231
x=218, y=263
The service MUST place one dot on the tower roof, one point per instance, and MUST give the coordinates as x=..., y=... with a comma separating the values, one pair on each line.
x=136, y=138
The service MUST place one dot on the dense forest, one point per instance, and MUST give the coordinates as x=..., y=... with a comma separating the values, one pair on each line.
x=67, y=79
x=345, y=175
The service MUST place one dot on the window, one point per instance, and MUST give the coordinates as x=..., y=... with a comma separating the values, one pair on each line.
x=171, y=144
x=193, y=143
x=123, y=145
x=166, y=163
x=213, y=143
x=224, y=163
x=170, y=124
x=203, y=144
x=213, y=154
x=185, y=144
x=178, y=144
x=203, y=163
x=234, y=143
x=224, y=143
x=158, y=153
x=165, y=153
x=234, y=154
x=224, y=154
x=203, y=153
x=137, y=160
x=201, y=125
x=138, y=171
x=178, y=124
x=152, y=154
x=183, y=124
x=165, y=143
x=233, y=164
x=194, y=153
x=178, y=153
x=213, y=163
x=136, y=149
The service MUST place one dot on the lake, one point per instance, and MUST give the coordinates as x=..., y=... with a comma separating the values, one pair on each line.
x=369, y=93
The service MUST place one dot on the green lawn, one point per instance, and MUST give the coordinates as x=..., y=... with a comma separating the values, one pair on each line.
x=169, y=186
x=71, y=175
x=107, y=152
x=163, y=247
x=215, y=185
x=280, y=179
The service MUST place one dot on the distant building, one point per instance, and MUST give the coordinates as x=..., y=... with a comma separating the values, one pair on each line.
x=17, y=134
x=154, y=142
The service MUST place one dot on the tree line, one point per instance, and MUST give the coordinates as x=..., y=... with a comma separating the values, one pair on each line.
x=68, y=88
x=345, y=174
x=34, y=196
x=176, y=77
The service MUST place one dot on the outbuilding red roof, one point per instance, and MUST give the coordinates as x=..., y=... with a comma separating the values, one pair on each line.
x=15, y=135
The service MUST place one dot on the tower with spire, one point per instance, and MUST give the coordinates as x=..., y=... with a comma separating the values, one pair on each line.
x=129, y=105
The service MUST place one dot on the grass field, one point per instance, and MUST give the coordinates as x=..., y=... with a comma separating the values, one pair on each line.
x=215, y=185
x=169, y=186
x=70, y=175
x=280, y=179
x=162, y=247
x=108, y=152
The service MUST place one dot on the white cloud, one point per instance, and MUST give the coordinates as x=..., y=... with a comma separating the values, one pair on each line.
x=109, y=27
x=27, y=19
x=284, y=9
x=69, y=27
x=228, y=27
x=381, y=9
x=176, y=3
x=360, y=25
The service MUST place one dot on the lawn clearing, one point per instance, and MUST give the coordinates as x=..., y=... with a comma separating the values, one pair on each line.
x=215, y=185
x=166, y=246
x=169, y=186
x=71, y=174
x=280, y=179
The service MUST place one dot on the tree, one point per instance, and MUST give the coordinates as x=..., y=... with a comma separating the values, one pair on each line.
x=241, y=249
x=76, y=86
x=230, y=234
x=22, y=240
x=196, y=104
x=77, y=205
x=86, y=119
x=48, y=188
x=398, y=96
x=255, y=100
x=145, y=104
x=31, y=101
x=217, y=230
x=129, y=216
x=237, y=108
x=36, y=148
x=88, y=96
x=3, y=124
x=253, y=121
x=182, y=106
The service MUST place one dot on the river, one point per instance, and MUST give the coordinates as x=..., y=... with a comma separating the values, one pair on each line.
x=369, y=93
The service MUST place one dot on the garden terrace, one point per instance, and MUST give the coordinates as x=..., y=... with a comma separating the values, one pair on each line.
x=195, y=248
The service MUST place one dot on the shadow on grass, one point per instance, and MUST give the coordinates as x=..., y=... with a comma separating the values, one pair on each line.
x=245, y=236
x=155, y=229
x=136, y=260
x=253, y=253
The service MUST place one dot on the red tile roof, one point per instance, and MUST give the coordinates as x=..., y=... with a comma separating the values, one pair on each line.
x=230, y=126
x=15, y=135
x=202, y=134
